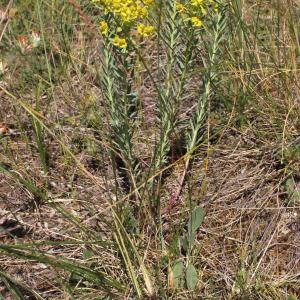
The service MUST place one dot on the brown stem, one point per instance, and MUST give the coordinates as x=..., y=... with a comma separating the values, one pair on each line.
x=175, y=196
x=86, y=19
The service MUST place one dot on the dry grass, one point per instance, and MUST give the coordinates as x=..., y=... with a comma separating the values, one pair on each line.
x=248, y=246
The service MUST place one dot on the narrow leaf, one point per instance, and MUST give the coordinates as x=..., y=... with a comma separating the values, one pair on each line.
x=196, y=219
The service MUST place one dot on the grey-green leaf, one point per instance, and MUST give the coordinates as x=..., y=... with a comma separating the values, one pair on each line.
x=292, y=298
x=192, y=237
x=196, y=219
x=191, y=277
x=177, y=273
x=293, y=191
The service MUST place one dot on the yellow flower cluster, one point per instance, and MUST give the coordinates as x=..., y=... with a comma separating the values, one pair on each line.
x=103, y=26
x=129, y=14
x=127, y=10
x=195, y=10
x=119, y=42
x=145, y=30
x=124, y=16
x=196, y=22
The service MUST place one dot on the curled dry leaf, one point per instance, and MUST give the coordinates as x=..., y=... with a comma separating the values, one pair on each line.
x=3, y=16
x=171, y=278
x=24, y=43
x=27, y=43
x=5, y=130
x=3, y=67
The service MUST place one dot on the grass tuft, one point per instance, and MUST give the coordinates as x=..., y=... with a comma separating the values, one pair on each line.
x=149, y=149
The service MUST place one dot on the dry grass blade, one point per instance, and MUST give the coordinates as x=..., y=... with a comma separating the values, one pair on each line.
x=149, y=149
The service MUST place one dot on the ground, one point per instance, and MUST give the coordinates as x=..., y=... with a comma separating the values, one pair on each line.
x=72, y=226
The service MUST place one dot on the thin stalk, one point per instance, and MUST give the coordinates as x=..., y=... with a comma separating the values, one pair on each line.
x=201, y=109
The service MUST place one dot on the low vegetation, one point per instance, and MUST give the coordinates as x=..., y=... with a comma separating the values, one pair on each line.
x=149, y=149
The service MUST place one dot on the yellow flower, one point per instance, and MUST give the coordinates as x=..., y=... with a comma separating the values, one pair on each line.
x=103, y=26
x=119, y=42
x=142, y=12
x=216, y=7
x=197, y=2
x=180, y=7
x=196, y=21
x=127, y=13
x=145, y=30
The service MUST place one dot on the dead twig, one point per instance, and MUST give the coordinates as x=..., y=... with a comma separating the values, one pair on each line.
x=5, y=17
x=85, y=18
